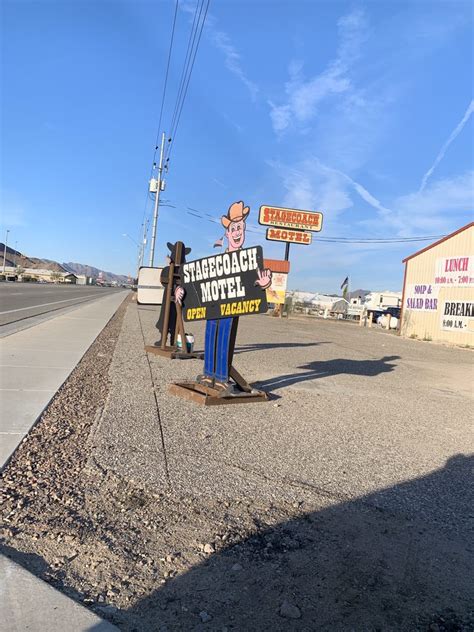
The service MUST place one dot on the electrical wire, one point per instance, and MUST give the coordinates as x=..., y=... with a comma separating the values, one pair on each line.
x=349, y=240
x=187, y=58
x=170, y=50
x=183, y=99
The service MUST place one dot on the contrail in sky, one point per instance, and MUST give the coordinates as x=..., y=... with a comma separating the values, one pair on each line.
x=457, y=130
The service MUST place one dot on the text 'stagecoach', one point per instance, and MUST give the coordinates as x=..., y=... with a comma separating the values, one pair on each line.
x=224, y=285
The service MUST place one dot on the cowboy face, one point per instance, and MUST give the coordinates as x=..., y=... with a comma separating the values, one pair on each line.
x=235, y=234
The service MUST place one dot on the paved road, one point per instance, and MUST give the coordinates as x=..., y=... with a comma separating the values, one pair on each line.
x=21, y=302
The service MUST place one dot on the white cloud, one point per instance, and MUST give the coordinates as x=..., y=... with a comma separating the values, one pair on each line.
x=438, y=206
x=303, y=96
x=456, y=131
x=361, y=190
x=233, y=60
x=222, y=41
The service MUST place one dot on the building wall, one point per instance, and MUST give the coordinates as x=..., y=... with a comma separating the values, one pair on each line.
x=427, y=289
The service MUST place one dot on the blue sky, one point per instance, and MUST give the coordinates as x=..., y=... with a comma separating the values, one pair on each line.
x=361, y=110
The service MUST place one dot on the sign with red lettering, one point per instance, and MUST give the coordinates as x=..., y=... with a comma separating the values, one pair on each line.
x=455, y=270
x=290, y=218
x=291, y=236
x=421, y=297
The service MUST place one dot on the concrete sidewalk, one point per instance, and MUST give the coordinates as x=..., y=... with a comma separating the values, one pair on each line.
x=28, y=603
x=34, y=363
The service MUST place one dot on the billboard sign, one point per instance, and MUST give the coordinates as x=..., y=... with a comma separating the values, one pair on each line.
x=277, y=291
x=421, y=297
x=224, y=285
x=290, y=218
x=458, y=316
x=455, y=271
x=290, y=236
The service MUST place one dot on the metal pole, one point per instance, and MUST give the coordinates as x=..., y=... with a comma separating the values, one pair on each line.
x=5, y=251
x=287, y=251
x=142, y=249
x=14, y=256
x=157, y=203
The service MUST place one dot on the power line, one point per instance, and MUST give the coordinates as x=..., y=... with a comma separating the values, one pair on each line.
x=389, y=240
x=170, y=50
x=187, y=57
x=174, y=131
x=349, y=240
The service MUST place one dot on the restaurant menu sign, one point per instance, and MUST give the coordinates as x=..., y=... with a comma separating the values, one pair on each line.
x=456, y=316
x=455, y=271
x=421, y=297
x=291, y=236
x=290, y=218
x=223, y=285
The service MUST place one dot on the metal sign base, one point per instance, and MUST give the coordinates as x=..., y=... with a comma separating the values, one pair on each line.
x=206, y=396
x=172, y=353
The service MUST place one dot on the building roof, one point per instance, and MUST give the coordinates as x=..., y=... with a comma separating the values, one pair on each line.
x=277, y=265
x=440, y=241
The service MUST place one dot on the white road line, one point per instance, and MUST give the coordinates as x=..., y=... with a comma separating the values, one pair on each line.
x=21, y=309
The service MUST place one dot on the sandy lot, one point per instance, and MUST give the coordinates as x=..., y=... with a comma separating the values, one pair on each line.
x=342, y=504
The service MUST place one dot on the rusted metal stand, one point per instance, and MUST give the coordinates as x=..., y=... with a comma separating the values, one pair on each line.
x=208, y=394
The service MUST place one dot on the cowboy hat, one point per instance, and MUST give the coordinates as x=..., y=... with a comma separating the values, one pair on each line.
x=236, y=212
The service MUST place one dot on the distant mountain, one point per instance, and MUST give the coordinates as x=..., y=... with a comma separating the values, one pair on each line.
x=90, y=271
x=14, y=257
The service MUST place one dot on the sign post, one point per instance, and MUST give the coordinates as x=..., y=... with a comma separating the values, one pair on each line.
x=290, y=225
x=170, y=323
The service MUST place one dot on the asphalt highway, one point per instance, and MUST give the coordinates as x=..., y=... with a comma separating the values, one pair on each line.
x=23, y=302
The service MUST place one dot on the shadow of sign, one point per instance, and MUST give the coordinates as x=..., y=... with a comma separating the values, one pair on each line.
x=265, y=346
x=326, y=368
x=397, y=559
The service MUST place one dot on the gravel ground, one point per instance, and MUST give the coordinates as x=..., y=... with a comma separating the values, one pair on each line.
x=341, y=504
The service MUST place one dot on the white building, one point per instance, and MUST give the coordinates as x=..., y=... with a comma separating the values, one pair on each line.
x=380, y=301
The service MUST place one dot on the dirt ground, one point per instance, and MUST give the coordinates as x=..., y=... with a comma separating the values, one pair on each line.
x=342, y=504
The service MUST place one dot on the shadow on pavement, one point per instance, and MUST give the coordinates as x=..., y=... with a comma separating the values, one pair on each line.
x=325, y=368
x=276, y=345
x=398, y=559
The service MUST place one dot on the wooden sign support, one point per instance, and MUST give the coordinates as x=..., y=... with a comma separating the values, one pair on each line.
x=170, y=277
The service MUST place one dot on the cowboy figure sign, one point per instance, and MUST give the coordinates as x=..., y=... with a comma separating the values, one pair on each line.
x=229, y=284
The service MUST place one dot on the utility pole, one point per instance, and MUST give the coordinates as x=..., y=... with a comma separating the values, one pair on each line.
x=157, y=203
x=143, y=246
x=5, y=251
